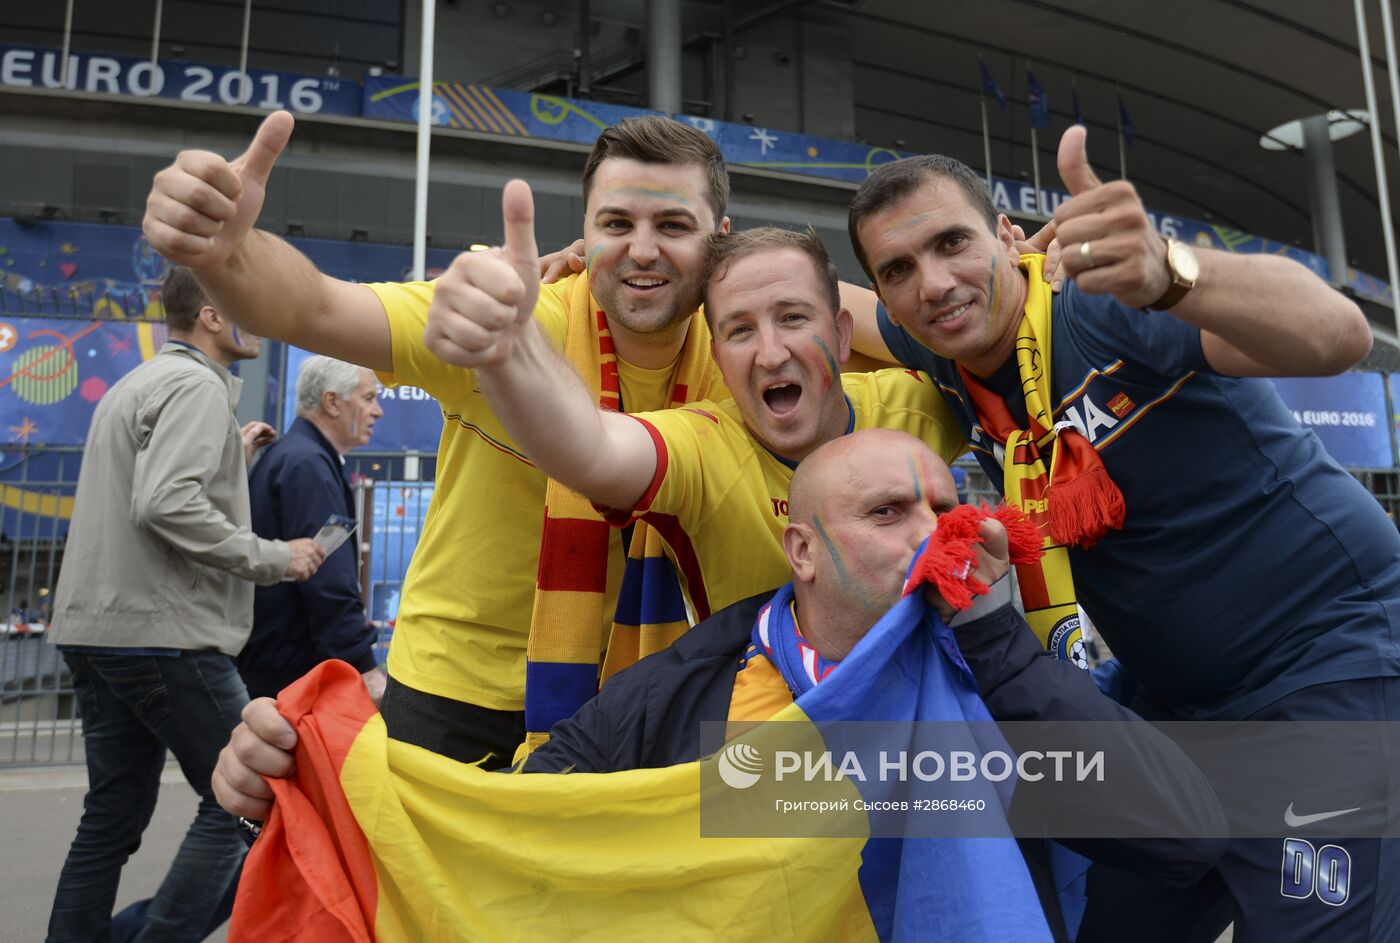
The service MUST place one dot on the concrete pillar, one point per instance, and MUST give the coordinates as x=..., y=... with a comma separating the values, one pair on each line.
x=1328, y=239
x=664, y=55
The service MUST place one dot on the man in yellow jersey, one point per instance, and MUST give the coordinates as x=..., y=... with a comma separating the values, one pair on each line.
x=654, y=190
x=712, y=478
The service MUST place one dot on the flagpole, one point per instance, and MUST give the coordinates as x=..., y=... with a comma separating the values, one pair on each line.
x=986, y=140
x=425, y=137
x=1035, y=172
x=1382, y=190
x=1035, y=145
x=1122, y=145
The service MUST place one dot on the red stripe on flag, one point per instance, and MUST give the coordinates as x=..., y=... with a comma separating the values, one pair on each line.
x=568, y=558
x=309, y=875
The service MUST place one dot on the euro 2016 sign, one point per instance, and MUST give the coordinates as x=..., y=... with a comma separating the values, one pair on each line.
x=22, y=67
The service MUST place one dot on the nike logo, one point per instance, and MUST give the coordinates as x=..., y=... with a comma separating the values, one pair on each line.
x=1298, y=821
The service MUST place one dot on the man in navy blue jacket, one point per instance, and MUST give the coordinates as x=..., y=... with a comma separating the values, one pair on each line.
x=299, y=484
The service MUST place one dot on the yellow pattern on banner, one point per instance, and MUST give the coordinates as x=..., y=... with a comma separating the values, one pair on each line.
x=36, y=502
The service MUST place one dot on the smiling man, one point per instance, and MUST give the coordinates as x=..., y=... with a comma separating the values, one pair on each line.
x=711, y=477
x=654, y=190
x=1235, y=569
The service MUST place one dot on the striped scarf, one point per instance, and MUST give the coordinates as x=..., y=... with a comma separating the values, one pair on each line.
x=1073, y=501
x=562, y=654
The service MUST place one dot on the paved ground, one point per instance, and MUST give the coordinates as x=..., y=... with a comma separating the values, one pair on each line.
x=39, y=811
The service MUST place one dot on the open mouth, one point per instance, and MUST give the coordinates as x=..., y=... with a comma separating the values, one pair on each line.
x=782, y=398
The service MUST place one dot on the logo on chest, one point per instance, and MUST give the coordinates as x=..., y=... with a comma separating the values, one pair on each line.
x=1092, y=420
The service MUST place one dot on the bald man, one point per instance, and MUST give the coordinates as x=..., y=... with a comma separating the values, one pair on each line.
x=859, y=507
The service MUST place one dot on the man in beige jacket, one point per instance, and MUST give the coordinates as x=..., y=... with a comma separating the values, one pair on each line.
x=155, y=597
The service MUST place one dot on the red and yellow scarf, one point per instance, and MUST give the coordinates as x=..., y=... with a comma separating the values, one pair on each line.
x=566, y=626
x=1051, y=471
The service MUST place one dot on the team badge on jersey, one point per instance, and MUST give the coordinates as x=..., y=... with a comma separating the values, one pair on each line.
x=1067, y=641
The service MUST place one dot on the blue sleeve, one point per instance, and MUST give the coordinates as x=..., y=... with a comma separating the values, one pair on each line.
x=1107, y=330
x=906, y=350
x=311, y=491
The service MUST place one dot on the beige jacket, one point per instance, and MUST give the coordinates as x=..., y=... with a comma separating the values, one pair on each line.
x=161, y=552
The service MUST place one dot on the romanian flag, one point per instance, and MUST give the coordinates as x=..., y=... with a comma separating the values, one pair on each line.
x=375, y=839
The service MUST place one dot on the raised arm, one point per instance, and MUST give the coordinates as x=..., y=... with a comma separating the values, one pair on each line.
x=481, y=317
x=1259, y=315
x=200, y=213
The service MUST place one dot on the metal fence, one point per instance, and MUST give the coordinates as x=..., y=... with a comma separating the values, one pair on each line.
x=39, y=722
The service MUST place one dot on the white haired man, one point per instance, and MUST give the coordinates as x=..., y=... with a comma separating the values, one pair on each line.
x=297, y=486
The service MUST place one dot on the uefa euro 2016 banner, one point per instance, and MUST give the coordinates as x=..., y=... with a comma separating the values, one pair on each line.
x=26, y=67
x=528, y=115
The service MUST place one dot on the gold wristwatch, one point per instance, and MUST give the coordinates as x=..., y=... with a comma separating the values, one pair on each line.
x=1183, y=267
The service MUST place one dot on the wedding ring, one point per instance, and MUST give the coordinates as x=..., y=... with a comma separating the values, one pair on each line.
x=1086, y=255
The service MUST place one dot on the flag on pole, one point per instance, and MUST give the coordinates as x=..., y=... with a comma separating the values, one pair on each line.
x=989, y=85
x=1039, y=101
x=1125, y=122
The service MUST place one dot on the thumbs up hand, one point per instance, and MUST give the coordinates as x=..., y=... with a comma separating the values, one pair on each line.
x=201, y=207
x=1109, y=246
x=484, y=298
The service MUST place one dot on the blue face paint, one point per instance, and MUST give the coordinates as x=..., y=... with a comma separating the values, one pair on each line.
x=237, y=336
x=914, y=472
x=831, y=549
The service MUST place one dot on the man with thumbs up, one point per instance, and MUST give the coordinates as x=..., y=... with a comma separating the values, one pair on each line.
x=654, y=189
x=1234, y=568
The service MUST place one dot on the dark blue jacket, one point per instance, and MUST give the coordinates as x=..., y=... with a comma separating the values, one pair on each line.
x=650, y=716
x=298, y=483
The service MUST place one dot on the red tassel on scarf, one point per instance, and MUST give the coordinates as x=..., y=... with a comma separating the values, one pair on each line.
x=1084, y=503
x=951, y=555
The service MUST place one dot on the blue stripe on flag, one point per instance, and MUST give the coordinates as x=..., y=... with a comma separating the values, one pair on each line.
x=557, y=689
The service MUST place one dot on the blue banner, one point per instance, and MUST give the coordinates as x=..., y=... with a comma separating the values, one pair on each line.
x=28, y=67
x=494, y=110
x=412, y=420
x=1347, y=412
x=53, y=372
x=396, y=519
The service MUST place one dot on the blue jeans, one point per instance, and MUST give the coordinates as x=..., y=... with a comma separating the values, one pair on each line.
x=133, y=709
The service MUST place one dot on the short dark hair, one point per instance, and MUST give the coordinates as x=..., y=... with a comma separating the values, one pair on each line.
x=891, y=182
x=725, y=248
x=182, y=297
x=656, y=139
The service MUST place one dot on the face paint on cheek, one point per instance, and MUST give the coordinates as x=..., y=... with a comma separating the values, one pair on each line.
x=237, y=336
x=832, y=368
x=592, y=257
x=832, y=551
x=856, y=588
x=993, y=288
